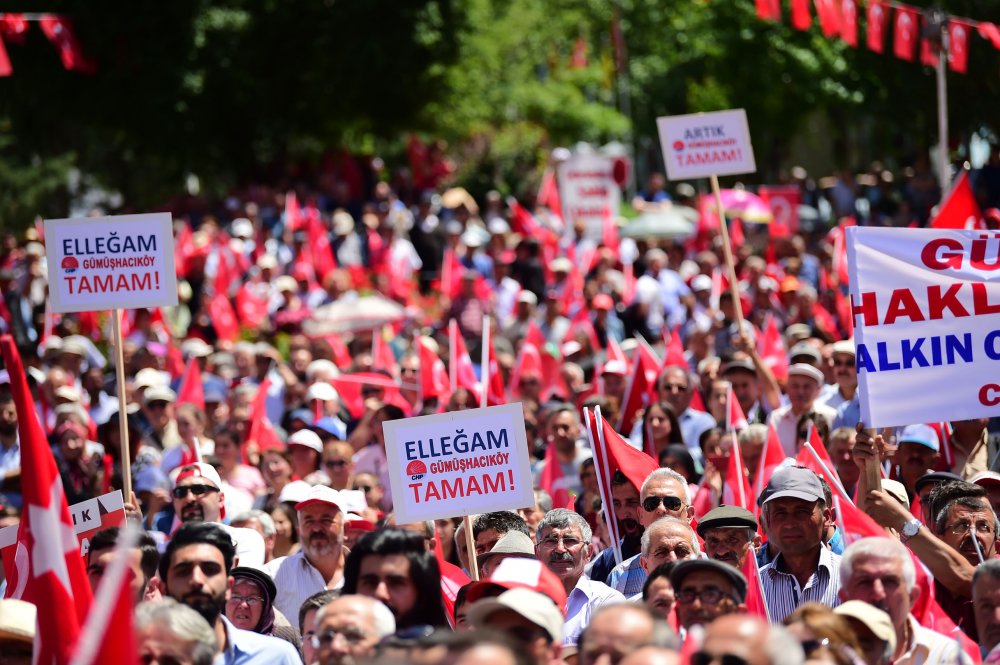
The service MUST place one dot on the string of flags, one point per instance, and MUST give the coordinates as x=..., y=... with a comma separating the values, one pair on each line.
x=57, y=29
x=840, y=18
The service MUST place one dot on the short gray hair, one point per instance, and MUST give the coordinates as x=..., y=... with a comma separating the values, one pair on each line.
x=265, y=520
x=663, y=635
x=561, y=518
x=878, y=547
x=382, y=617
x=182, y=622
x=543, y=500
x=665, y=521
x=989, y=568
x=783, y=648
x=664, y=474
x=753, y=433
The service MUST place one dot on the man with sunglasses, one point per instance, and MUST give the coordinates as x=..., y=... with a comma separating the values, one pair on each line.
x=705, y=590
x=197, y=495
x=663, y=493
x=843, y=369
x=674, y=387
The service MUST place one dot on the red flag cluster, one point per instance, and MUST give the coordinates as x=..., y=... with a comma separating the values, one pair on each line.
x=58, y=30
x=840, y=18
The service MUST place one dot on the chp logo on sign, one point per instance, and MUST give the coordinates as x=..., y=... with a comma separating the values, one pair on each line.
x=122, y=262
x=704, y=144
x=459, y=463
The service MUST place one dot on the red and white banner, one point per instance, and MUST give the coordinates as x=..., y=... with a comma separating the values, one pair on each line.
x=904, y=36
x=958, y=47
x=878, y=15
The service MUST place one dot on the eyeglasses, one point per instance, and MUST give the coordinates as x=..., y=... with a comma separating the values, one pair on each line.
x=336, y=463
x=710, y=595
x=197, y=490
x=651, y=503
x=569, y=542
x=352, y=636
x=702, y=658
x=962, y=527
x=251, y=601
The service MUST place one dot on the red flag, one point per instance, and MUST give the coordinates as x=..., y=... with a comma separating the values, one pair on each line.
x=319, y=242
x=641, y=384
x=784, y=203
x=675, y=351
x=771, y=457
x=49, y=570
x=829, y=17
x=528, y=363
x=107, y=638
x=452, y=579
x=14, y=27
x=349, y=387
x=928, y=50
x=614, y=352
x=991, y=33
x=250, y=307
x=191, y=390
x=958, y=47
x=736, y=485
x=768, y=10
x=697, y=403
x=463, y=375
x=183, y=248
x=755, y=594
x=551, y=480
x=548, y=192
x=382, y=354
x=849, y=22
x=771, y=349
x=904, y=36
x=622, y=456
x=433, y=375
x=261, y=430
x=223, y=317
x=878, y=14
x=959, y=209
x=735, y=418
x=293, y=218
x=578, y=58
x=844, y=314
x=801, y=18
x=496, y=393
x=5, y=67
x=59, y=31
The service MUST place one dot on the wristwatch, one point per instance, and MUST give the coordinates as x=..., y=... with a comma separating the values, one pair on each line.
x=909, y=530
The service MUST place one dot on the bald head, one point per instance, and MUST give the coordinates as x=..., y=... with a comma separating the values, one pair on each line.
x=753, y=640
x=652, y=656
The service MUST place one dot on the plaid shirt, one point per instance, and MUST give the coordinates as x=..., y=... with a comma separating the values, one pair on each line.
x=628, y=577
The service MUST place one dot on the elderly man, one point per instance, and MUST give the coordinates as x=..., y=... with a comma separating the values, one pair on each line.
x=880, y=572
x=674, y=387
x=513, y=544
x=562, y=544
x=795, y=516
x=705, y=590
x=530, y=617
x=748, y=639
x=804, y=383
x=986, y=603
x=619, y=629
x=349, y=628
x=666, y=539
x=664, y=492
x=730, y=534
x=308, y=612
x=319, y=564
x=168, y=632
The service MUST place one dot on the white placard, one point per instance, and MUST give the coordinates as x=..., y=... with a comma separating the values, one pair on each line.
x=123, y=262
x=589, y=193
x=459, y=463
x=699, y=145
x=926, y=308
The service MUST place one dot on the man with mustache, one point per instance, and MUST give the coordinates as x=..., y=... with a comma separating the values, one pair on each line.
x=198, y=495
x=319, y=564
x=563, y=545
x=625, y=500
x=880, y=572
x=706, y=590
x=730, y=533
x=195, y=571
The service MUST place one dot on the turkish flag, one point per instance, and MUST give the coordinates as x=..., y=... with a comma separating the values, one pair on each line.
x=928, y=50
x=849, y=22
x=107, y=637
x=191, y=390
x=771, y=349
x=349, y=388
x=552, y=481
x=433, y=375
x=829, y=17
x=771, y=457
x=250, y=307
x=460, y=368
x=319, y=242
x=784, y=203
x=736, y=485
x=755, y=594
x=641, y=384
x=904, y=35
x=48, y=569
x=223, y=317
x=382, y=355
x=528, y=363
x=768, y=10
x=735, y=418
x=453, y=578
x=958, y=47
x=293, y=217
x=5, y=67
x=548, y=192
x=675, y=350
x=622, y=455
x=14, y=27
x=496, y=393
x=990, y=32
x=261, y=429
x=959, y=209
x=878, y=14
x=59, y=31
x=801, y=18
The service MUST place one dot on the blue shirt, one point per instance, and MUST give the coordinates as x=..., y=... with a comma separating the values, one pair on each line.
x=244, y=647
x=10, y=459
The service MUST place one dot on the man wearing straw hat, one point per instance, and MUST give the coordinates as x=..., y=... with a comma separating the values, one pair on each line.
x=17, y=631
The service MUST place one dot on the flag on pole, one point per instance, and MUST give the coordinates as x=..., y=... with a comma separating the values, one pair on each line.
x=641, y=384
x=433, y=375
x=553, y=482
x=452, y=578
x=755, y=593
x=261, y=429
x=675, y=350
x=771, y=457
x=878, y=16
x=959, y=210
x=191, y=390
x=49, y=570
x=904, y=36
x=735, y=418
x=736, y=486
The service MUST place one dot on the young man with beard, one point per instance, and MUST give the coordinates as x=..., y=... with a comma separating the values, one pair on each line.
x=195, y=571
x=10, y=452
x=319, y=564
x=625, y=500
x=394, y=566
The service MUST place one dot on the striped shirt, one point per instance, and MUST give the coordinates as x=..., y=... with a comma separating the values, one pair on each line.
x=782, y=591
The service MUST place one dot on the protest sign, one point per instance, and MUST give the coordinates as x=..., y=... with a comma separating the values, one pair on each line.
x=926, y=310
x=458, y=463
x=99, y=263
x=89, y=517
x=700, y=145
x=590, y=193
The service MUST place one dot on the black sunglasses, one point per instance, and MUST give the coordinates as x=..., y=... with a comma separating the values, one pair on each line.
x=702, y=658
x=651, y=503
x=197, y=490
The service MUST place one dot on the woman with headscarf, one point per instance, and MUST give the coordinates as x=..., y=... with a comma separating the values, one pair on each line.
x=251, y=606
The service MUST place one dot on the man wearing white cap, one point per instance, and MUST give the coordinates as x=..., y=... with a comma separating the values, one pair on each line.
x=802, y=389
x=319, y=564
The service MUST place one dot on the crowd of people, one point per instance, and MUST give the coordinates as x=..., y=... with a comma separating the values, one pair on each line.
x=262, y=484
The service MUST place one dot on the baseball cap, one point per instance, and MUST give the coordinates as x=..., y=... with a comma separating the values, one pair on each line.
x=794, y=482
x=844, y=346
x=684, y=568
x=517, y=573
x=305, y=415
x=195, y=348
x=527, y=603
x=701, y=283
x=935, y=477
x=560, y=264
x=896, y=490
x=802, y=369
x=321, y=494
x=294, y=492
x=985, y=478
x=322, y=391
x=249, y=545
x=286, y=283
x=512, y=543
x=149, y=377
x=738, y=365
x=804, y=349
x=727, y=517
x=874, y=619
x=158, y=394
x=528, y=297
x=614, y=367
x=332, y=426
x=215, y=393
x=307, y=438
x=922, y=434
x=196, y=470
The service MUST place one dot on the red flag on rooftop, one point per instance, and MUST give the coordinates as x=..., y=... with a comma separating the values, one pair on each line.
x=641, y=384
x=261, y=429
x=49, y=571
x=878, y=16
x=959, y=209
x=904, y=35
x=191, y=390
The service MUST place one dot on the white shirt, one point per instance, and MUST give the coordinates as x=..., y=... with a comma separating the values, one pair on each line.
x=295, y=579
x=786, y=424
x=581, y=604
x=928, y=646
